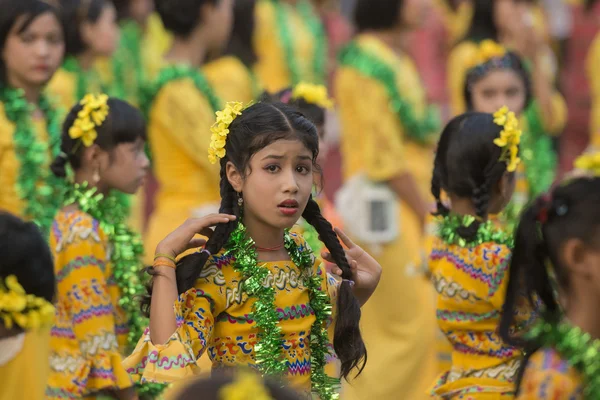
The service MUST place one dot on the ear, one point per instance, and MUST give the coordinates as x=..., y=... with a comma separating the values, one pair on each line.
x=234, y=177
x=577, y=258
x=93, y=156
x=505, y=184
x=206, y=12
x=87, y=32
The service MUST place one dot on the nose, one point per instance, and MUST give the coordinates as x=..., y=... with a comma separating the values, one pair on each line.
x=145, y=162
x=290, y=184
x=42, y=48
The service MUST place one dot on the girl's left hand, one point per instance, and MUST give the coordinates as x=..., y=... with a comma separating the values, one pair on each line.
x=366, y=271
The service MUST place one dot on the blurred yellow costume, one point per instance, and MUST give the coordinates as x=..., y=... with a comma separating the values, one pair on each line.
x=231, y=80
x=592, y=62
x=399, y=339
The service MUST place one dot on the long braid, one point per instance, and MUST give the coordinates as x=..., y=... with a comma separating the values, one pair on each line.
x=436, y=189
x=348, y=342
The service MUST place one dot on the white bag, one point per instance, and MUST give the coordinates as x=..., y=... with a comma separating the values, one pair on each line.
x=369, y=210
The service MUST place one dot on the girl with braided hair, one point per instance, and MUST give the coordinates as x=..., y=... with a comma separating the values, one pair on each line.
x=255, y=295
x=474, y=168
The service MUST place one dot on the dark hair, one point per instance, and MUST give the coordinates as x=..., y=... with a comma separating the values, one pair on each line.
x=569, y=211
x=467, y=164
x=181, y=16
x=311, y=111
x=209, y=388
x=25, y=254
x=377, y=14
x=260, y=125
x=242, y=33
x=11, y=11
x=73, y=14
x=483, y=24
x=509, y=61
x=124, y=124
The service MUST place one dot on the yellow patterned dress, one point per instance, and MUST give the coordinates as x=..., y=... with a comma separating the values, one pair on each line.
x=9, y=163
x=549, y=377
x=215, y=317
x=90, y=330
x=399, y=339
x=471, y=284
x=273, y=65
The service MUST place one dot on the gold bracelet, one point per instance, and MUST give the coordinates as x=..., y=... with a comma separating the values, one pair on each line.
x=164, y=263
x=163, y=255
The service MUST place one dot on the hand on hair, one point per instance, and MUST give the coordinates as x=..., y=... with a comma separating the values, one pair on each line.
x=182, y=238
x=366, y=271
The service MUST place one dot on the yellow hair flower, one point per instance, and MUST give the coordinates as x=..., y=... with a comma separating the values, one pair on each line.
x=589, y=163
x=510, y=138
x=312, y=94
x=246, y=386
x=92, y=115
x=487, y=50
x=220, y=130
x=25, y=310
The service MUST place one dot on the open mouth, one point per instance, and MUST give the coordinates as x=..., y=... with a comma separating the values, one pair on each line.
x=289, y=207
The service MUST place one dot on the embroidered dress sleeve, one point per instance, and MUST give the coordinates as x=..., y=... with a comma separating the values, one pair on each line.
x=84, y=291
x=182, y=111
x=195, y=312
x=547, y=377
x=370, y=118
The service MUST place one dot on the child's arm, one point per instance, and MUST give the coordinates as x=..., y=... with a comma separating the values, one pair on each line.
x=165, y=293
x=366, y=271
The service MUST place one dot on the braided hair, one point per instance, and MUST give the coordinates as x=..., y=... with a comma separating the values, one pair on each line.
x=467, y=164
x=260, y=125
x=569, y=211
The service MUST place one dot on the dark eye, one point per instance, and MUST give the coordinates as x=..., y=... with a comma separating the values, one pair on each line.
x=302, y=169
x=272, y=168
x=27, y=38
x=488, y=93
x=512, y=92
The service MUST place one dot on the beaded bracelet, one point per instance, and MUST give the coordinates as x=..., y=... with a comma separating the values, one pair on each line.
x=164, y=263
x=163, y=255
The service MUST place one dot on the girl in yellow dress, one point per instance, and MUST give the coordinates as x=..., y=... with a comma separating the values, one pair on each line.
x=272, y=315
x=91, y=33
x=32, y=47
x=555, y=260
x=475, y=167
x=97, y=258
x=26, y=312
x=387, y=136
x=290, y=43
x=498, y=77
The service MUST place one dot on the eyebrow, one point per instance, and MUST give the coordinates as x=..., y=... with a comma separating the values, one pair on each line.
x=275, y=157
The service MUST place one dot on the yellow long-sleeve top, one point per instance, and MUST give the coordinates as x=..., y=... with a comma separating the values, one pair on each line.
x=9, y=163
x=549, y=377
x=471, y=283
x=90, y=328
x=65, y=87
x=457, y=21
x=179, y=134
x=272, y=68
x=591, y=66
x=231, y=79
x=23, y=367
x=215, y=317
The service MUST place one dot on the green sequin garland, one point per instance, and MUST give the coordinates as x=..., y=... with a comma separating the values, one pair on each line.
x=128, y=71
x=36, y=186
x=269, y=357
x=578, y=348
x=315, y=26
x=84, y=78
x=487, y=232
x=424, y=130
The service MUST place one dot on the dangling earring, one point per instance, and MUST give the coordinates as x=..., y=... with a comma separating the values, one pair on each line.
x=240, y=200
x=96, y=176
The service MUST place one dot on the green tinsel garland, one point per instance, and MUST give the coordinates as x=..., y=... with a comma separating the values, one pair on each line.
x=269, y=357
x=128, y=71
x=315, y=26
x=84, y=77
x=36, y=186
x=423, y=130
x=578, y=348
x=487, y=232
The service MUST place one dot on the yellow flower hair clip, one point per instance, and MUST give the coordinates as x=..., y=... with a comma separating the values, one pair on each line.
x=312, y=94
x=92, y=115
x=487, y=50
x=220, y=130
x=25, y=310
x=510, y=137
x=246, y=385
x=589, y=163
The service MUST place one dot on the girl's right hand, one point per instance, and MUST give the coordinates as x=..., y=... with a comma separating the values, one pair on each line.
x=182, y=238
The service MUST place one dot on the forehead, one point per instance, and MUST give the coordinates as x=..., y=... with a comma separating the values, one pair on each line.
x=44, y=22
x=288, y=148
x=500, y=78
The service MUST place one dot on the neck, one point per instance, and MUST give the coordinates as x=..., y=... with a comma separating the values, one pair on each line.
x=83, y=176
x=582, y=311
x=191, y=51
x=265, y=236
x=86, y=60
x=462, y=206
x=32, y=92
x=397, y=39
